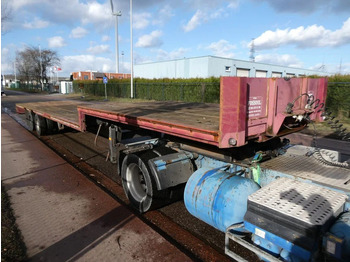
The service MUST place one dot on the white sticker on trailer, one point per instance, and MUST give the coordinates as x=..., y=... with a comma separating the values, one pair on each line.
x=260, y=232
x=255, y=106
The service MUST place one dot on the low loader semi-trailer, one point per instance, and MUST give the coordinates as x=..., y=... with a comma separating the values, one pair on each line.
x=230, y=161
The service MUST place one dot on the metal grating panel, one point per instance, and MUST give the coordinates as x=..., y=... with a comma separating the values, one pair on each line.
x=309, y=203
x=311, y=169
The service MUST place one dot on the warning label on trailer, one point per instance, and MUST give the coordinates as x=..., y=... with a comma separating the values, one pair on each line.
x=255, y=106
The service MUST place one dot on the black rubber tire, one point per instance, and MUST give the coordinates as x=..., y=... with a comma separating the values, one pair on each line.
x=30, y=120
x=139, y=184
x=51, y=126
x=40, y=125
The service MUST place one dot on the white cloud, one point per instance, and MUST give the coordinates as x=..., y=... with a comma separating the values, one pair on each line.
x=98, y=49
x=56, y=42
x=341, y=68
x=175, y=54
x=141, y=20
x=21, y=3
x=105, y=38
x=86, y=62
x=36, y=24
x=311, y=36
x=67, y=12
x=222, y=48
x=163, y=15
x=196, y=20
x=278, y=59
x=150, y=40
x=78, y=32
x=207, y=10
x=97, y=13
x=6, y=61
x=233, y=4
x=212, y=4
x=310, y=6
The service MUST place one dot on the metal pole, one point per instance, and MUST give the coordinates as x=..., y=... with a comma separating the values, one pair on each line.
x=131, y=54
x=41, y=70
x=14, y=68
x=116, y=45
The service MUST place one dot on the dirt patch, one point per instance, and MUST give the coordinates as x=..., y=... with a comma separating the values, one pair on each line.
x=12, y=245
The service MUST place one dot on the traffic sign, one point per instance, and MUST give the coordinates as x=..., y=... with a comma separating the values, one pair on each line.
x=105, y=80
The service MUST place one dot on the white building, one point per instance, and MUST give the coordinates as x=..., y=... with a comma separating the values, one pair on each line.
x=212, y=66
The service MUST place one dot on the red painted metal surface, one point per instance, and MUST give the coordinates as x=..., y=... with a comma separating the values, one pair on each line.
x=196, y=134
x=233, y=111
x=255, y=108
x=20, y=109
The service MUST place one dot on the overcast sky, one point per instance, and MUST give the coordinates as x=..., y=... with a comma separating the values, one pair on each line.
x=313, y=34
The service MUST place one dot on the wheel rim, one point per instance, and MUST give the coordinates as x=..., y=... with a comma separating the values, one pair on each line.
x=136, y=182
x=37, y=125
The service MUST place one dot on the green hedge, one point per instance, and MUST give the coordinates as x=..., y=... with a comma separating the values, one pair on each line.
x=205, y=90
x=338, y=95
x=187, y=90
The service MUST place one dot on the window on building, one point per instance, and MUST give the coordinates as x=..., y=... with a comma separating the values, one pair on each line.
x=227, y=68
x=86, y=77
x=276, y=74
x=260, y=73
x=243, y=72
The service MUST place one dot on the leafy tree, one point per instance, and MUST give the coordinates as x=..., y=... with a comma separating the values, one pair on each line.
x=32, y=64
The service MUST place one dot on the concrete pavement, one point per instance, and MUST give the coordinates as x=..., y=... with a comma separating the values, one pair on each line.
x=65, y=217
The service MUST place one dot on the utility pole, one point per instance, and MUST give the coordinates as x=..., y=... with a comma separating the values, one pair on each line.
x=14, y=69
x=131, y=54
x=116, y=14
x=252, y=51
x=41, y=70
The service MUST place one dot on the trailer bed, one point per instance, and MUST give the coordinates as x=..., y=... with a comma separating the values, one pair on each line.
x=183, y=119
x=250, y=108
x=63, y=112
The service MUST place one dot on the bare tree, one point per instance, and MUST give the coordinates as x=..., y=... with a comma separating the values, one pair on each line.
x=6, y=15
x=32, y=64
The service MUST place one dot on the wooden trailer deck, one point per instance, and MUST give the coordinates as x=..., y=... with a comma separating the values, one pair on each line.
x=63, y=112
x=189, y=120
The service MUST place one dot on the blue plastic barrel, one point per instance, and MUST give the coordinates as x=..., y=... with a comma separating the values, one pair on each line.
x=218, y=197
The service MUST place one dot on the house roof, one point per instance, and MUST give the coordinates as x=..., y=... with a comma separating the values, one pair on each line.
x=99, y=75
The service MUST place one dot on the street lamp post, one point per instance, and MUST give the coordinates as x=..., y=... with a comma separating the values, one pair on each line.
x=116, y=14
x=116, y=42
x=131, y=54
x=41, y=70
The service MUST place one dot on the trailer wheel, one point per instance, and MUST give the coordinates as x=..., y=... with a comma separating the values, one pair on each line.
x=139, y=184
x=51, y=126
x=30, y=120
x=40, y=125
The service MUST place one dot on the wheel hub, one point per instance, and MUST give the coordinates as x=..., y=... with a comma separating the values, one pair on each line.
x=136, y=182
